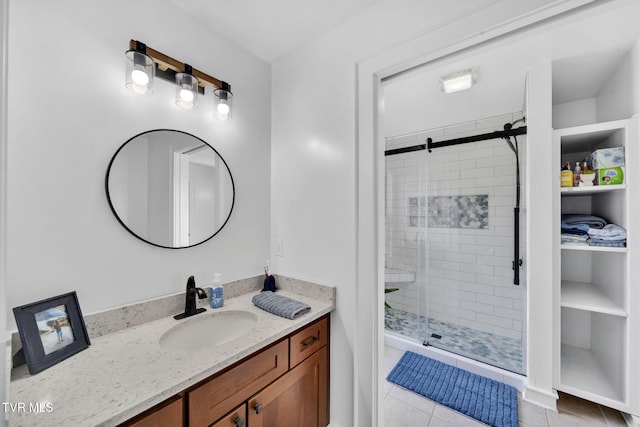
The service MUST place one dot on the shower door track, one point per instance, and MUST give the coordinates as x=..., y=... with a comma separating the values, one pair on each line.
x=522, y=130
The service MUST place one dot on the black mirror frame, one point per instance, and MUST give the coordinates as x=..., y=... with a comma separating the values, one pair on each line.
x=113, y=210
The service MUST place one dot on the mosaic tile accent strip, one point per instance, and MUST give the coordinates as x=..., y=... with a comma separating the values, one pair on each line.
x=496, y=350
x=459, y=212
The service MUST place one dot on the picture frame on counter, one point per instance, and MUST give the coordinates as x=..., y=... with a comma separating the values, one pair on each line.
x=51, y=330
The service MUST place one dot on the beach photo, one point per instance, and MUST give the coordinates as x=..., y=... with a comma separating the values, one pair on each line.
x=54, y=328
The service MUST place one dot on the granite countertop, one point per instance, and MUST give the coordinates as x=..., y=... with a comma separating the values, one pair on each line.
x=126, y=372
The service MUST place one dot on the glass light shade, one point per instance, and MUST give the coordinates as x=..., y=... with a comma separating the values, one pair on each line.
x=140, y=71
x=222, y=104
x=186, y=91
x=458, y=81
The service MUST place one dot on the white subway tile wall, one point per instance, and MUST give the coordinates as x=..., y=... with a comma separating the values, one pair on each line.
x=467, y=272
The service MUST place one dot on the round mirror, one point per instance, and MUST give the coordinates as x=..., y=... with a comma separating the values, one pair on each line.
x=170, y=189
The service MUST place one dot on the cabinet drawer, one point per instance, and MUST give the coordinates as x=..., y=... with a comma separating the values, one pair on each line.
x=308, y=341
x=165, y=415
x=221, y=394
x=237, y=418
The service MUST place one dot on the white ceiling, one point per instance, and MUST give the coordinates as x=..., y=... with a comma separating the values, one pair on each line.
x=269, y=29
x=584, y=54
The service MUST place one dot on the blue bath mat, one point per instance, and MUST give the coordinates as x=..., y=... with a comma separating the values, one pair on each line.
x=484, y=399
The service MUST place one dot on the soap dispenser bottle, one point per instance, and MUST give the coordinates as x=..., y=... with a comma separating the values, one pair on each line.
x=216, y=293
x=576, y=175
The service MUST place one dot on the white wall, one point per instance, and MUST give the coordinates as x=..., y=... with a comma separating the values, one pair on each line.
x=617, y=99
x=69, y=111
x=574, y=113
x=3, y=194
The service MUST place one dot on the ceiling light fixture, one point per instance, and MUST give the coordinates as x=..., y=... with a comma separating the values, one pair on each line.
x=456, y=82
x=144, y=63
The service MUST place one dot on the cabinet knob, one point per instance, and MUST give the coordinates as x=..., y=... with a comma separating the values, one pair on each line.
x=257, y=407
x=238, y=422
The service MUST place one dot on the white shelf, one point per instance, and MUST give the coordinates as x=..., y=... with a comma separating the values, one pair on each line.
x=394, y=275
x=585, y=247
x=586, y=296
x=587, y=191
x=582, y=375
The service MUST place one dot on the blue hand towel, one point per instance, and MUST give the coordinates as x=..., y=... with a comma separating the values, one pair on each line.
x=280, y=305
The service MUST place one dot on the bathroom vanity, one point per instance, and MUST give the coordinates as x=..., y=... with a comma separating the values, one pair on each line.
x=285, y=384
x=277, y=373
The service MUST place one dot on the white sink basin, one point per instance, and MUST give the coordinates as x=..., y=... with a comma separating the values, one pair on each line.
x=208, y=330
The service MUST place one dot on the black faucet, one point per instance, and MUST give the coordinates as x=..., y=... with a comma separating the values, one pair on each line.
x=190, y=300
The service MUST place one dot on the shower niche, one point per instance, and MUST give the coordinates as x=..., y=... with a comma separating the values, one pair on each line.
x=595, y=342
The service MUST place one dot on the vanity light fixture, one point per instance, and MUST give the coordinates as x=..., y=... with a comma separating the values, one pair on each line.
x=456, y=82
x=186, y=89
x=140, y=70
x=144, y=63
x=222, y=102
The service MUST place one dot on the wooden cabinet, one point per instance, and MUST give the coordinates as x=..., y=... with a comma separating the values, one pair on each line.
x=167, y=414
x=297, y=399
x=283, y=385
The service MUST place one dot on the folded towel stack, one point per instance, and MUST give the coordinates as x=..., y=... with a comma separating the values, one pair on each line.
x=582, y=229
x=280, y=305
x=611, y=235
x=574, y=228
x=591, y=221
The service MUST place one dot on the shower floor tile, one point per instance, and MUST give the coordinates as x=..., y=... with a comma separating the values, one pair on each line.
x=503, y=352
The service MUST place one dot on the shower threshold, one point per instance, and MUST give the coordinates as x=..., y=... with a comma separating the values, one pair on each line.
x=496, y=350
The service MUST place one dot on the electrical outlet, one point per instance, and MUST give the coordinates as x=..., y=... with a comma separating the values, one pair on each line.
x=279, y=247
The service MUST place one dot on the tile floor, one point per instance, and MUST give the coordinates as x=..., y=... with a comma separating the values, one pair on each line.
x=496, y=350
x=404, y=408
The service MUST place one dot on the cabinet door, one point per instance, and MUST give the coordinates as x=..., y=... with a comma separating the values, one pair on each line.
x=236, y=418
x=165, y=415
x=299, y=398
x=216, y=397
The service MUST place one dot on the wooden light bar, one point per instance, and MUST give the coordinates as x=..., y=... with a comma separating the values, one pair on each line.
x=167, y=68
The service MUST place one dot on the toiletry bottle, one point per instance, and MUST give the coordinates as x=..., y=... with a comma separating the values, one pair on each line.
x=566, y=176
x=576, y=175
x=216, y=293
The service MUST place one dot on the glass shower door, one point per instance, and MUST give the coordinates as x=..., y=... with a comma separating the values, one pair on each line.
x=406, y=243
x=474, y=307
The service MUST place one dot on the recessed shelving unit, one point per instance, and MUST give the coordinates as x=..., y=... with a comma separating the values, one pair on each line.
x=595, y=347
